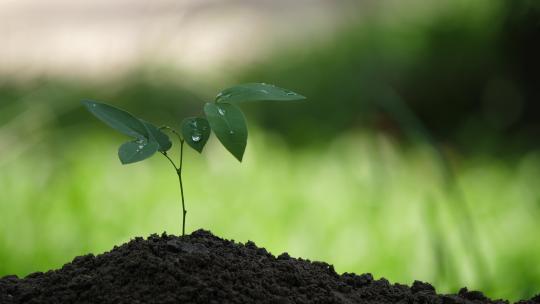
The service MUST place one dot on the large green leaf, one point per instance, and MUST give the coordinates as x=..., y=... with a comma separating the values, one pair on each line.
x=157, y=135
x=229, y=125
x=137, y=150
x=256, y=91
x=196, y=131
x=117, y=119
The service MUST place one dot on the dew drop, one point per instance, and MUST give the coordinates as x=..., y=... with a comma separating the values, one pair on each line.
x=140, y=147
x=219, y=95
x=231, y=132
x=221, y=111
x=290, y=93
x=264, y=91
x=195, y=138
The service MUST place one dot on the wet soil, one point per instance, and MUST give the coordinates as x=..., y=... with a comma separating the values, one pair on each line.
x=202, y=268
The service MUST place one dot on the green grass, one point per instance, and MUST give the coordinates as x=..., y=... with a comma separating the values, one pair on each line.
x=360, y=202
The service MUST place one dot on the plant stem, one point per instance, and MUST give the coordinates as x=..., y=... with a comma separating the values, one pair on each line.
x=170, y=160
x=172, y=131
x=178, y=173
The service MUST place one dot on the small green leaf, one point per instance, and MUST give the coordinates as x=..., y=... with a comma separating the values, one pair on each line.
x=117, y=119
x=229, y=125
x=196, y=131
x=256, y=91
x=137, y=150
x=157, y=135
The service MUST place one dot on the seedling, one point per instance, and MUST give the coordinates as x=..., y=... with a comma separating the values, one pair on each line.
x=223, y=117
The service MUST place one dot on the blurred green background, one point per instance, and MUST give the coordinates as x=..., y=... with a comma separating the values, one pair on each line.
x=416, y=155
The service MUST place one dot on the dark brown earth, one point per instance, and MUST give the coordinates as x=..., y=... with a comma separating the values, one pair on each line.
x=202, y=268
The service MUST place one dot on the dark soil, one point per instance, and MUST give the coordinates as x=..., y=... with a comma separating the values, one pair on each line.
x=202, y=268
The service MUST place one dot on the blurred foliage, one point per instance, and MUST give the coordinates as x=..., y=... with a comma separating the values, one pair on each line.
x=416, y=134
x=468, y=73
x=363, y=203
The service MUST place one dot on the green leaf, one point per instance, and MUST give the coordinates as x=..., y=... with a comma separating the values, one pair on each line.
x=137, y=150
x=157, y=135
x=117, y=119
x=196, y=131
x=229, y=125
x=256, y=91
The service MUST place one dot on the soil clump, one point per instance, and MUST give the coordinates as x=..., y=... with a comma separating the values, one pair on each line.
x=202, y=268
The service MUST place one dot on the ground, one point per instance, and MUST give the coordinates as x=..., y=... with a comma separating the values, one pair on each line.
x=202, y=268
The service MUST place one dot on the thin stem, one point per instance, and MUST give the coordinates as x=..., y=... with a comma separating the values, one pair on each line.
x=170, y=160
x=178, y=173
x=172, y=131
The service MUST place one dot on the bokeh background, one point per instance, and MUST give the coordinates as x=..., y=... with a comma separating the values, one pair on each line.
x=416, y=155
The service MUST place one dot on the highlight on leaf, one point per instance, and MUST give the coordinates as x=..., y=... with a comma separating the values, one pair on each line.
x=228, y=123
x=196, y=131
x=157, y=135
x=117, y=119
x=256, y=92
x=136, y=150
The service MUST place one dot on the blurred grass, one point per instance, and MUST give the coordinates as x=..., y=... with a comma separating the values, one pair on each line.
x=362, y=202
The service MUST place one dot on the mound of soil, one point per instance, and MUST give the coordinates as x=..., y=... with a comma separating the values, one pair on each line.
x=202, y=268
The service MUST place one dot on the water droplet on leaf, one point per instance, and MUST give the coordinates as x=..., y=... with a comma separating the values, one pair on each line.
x=195, y=138
x=221, y=111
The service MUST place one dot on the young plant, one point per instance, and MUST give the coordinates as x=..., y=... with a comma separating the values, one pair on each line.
x=223, y=117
